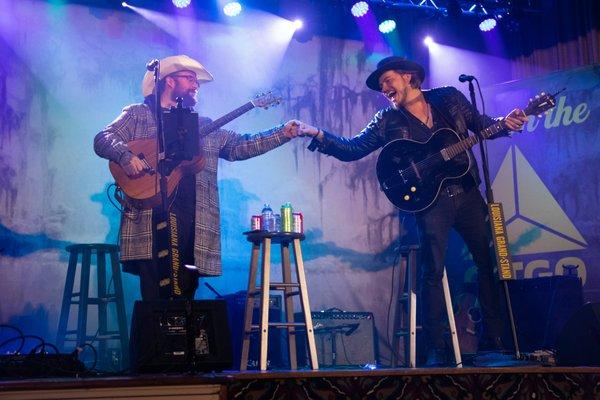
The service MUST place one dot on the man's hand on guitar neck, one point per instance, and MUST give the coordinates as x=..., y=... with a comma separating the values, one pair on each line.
x=515, y=119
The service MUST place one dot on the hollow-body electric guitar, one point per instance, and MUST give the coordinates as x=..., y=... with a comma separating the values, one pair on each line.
x=411, y=173
x=143, y=190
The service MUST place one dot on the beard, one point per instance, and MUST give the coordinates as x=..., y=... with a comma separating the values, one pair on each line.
x=189, y=99
x=402, y=95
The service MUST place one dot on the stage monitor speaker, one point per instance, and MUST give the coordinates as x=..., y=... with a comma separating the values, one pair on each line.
x=541, y=308
x=180, y=335
x=277, y=358
x=579, y=342
x=343, y=339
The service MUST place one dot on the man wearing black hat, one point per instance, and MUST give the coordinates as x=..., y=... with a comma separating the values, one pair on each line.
x=416, y=114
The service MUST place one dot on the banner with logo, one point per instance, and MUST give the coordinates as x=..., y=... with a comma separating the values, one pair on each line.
x=547, y=179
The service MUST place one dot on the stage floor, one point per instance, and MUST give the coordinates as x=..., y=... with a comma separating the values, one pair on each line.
x=420, y=383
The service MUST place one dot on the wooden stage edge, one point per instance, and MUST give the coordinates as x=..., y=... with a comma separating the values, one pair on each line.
x=577, y=382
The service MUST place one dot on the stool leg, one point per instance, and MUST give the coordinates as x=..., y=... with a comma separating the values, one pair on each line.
x=83, y=297
x=102, y=304
x=412, y=307
x=249, y=306
x=310, y=335
x=120, y=306
x=289, y=303
x=66, y=300
x=451, y=322
x=264, y=302
x=396, y=312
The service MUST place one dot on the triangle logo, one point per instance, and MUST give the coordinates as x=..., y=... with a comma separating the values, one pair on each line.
x=535, y=222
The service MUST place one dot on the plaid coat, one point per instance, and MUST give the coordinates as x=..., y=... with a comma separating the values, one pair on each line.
x=137, y=122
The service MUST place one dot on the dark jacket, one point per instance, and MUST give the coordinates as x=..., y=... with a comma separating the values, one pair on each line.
x=390, y=124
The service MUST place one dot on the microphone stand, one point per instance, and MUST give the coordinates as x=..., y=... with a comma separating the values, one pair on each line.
x=160, y=137
x=490, y=199
x=154, y=66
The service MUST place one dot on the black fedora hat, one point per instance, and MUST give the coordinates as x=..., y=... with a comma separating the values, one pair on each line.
x=393, y=63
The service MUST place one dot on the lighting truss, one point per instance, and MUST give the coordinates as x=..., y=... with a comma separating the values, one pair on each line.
x=468, y=7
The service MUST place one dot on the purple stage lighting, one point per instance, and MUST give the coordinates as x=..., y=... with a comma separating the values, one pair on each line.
x=298, y=24
x=124, y=4
x=359, y=9
x=181, y=3
x=487, y=24
x=428, y=41
x=387, y=26
x=232, y=9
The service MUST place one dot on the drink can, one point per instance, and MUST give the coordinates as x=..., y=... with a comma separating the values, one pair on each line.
x=298, y=224
x=286, y=217
x=255, y=224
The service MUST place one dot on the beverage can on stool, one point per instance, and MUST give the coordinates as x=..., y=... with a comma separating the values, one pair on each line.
x=255, y=224
x=287, y=218
x=298, y=223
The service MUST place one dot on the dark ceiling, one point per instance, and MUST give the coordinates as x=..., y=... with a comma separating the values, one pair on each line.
x=524, y=26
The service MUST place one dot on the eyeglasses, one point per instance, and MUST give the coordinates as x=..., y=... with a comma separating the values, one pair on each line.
x=190, y=78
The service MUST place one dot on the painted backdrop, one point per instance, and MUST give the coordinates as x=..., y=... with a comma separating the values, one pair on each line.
x=66, y=72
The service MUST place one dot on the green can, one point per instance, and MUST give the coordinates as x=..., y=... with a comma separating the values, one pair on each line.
x=287, y=217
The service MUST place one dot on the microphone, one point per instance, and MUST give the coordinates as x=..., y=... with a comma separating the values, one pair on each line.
x=152, y=64
x=465, y=78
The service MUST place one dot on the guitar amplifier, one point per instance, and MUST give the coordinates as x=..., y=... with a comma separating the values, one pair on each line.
x=277, y=355
x=343, y=339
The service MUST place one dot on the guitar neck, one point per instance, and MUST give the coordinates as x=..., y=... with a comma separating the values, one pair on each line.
x=216, y=124
x=465, y=144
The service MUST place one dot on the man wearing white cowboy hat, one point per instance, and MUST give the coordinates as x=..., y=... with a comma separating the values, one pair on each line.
x=416, y=114
x=196, y=202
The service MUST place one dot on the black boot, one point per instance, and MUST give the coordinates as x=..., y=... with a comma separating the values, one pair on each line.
x=436, y=358
x=492, y=344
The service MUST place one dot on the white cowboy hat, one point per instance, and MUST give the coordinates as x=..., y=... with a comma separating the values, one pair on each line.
x=169, y=65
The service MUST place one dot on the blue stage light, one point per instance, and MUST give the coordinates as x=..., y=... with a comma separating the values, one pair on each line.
x=181, y=3
x=487, y=24
x=232, y=9
x=387, y=26
x=359, y=9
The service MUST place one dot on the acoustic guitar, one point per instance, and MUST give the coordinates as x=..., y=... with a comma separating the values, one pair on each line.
x=411, y=173
x=143, y=190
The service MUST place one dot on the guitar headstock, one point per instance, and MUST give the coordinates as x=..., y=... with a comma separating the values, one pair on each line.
x=265, y=100
x=540, y=103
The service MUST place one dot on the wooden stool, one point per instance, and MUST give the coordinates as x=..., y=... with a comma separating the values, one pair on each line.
x=82, y=299
x=265, y=239
x=406, y=308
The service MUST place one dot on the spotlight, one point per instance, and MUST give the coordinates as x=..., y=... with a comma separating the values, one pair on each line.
x=181, y=3
x=232, y=9
x=359, y=9
x=124, y=4
x=487, y=24
x=298, y=24
x=387, y=26
x=428, y=41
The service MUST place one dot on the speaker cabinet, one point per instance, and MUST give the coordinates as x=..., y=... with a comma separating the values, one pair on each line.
x=343, y=339
x=541, y=308
x=277, y=358
x=579, y=342
x=180, y=335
